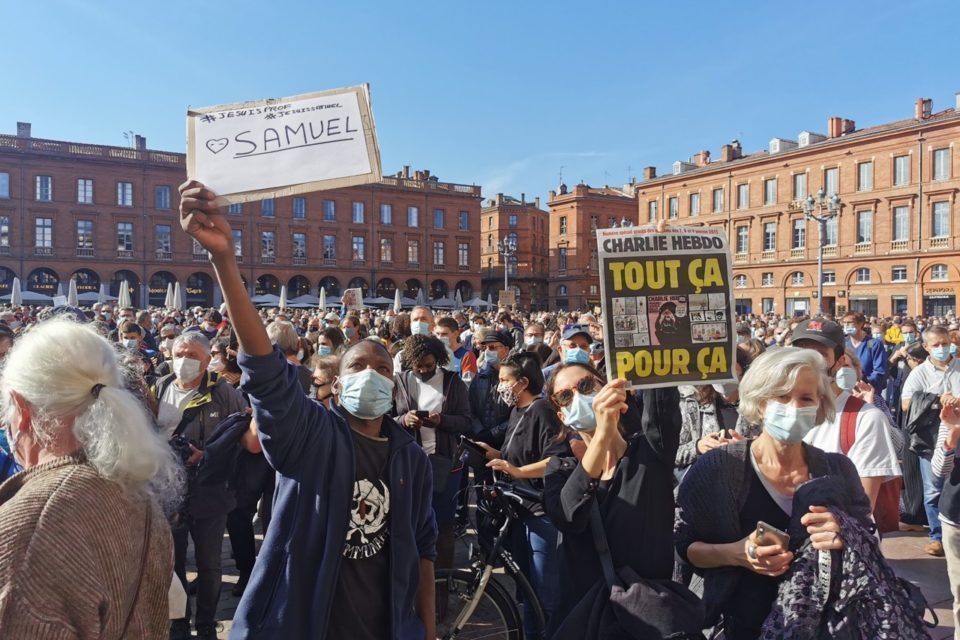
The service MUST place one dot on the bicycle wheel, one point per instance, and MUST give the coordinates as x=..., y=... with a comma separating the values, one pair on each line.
x=495, y=617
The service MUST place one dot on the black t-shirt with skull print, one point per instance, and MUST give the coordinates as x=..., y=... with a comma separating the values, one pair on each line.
x=361, y=604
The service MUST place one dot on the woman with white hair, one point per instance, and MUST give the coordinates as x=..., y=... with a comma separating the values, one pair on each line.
x=731, y=490
x=85, y=547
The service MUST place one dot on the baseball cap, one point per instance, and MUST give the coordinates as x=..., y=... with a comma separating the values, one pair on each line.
x=578, y=329
x=331, y=316
x=498, y=336
x=826, y=332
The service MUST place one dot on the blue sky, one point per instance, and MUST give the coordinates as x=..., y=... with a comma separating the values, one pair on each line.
x=497, y=93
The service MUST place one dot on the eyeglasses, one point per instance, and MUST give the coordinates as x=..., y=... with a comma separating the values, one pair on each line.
x=584, y=387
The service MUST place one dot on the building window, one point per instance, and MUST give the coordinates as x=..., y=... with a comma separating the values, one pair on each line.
x=938, y=272
x=862, y=275
x=562, y=258
x=299, y=208
x=237, y=242
x=796, y=278
x=161, y=238
x=941, y=164
x=593, y=223
x=359, y=248
x=413, y=251
x=4, y=231
x=512, y=220
x=84, y=191
x=799, y=186
x=438, y=219
x=438, y=253
x=652, y=211
x=864, y=227
x=767, y=279
x=743, y=196
x=694, y=204
x=799, y=233
x=44, y=188
x=740, y=281
x=299, y=245
x=594, y=289
x=562, y=290
x=329, y=210
x=266, y=208
x=718, y=200
x=901, y=224
x=161, y=197
x=268, y=244
x=743, y=239
x=464, y=221
x=770, y=191
x=831, y=181
x=489, y=223
x=413, y=217
x=901, y=171
x=463, y=254
x=357, y=208
x=865, y=176
x=674, y=207
x=85, y=234
x=386, y=250
x=898, y=274
x=124, y=194
x=829, y=277
x=235, y=209
x=386, y=214
x=4, y=185
x=830, y=237
x=770, y=236
x=124, y=236
x=941, y=219
x=563, y=225
x=329, y=247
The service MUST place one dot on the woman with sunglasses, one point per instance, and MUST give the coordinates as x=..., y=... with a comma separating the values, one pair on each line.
x=627, y=471
x=534, y=436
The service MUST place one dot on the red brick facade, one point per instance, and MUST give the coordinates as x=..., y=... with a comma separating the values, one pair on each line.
x=528, y=225
x=406, y=231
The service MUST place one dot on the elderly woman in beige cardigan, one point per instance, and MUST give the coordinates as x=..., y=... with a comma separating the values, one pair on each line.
x=85, y=548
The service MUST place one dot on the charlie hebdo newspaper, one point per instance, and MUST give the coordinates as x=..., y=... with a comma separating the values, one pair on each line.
x=667, y=305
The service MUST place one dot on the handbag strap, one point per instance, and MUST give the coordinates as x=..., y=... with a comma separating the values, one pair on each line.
x=143, y=566
x=601, y=545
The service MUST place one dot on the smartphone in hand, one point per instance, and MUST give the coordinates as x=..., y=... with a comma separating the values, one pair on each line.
x=767, y=535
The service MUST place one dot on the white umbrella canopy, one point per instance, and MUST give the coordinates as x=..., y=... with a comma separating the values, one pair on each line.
x=421, y=297
x=283, y=297
x=60, y=290
x=177, y=297
x=72, y=294
x=397, y=306
x=123, y=296
x=16, y=297
x=104, y=294
x=458, y=299
x=168, y=301
x=489, y=299
x=323, y=299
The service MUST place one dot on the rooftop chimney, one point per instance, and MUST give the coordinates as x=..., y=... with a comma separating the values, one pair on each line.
x=848, y=126
x=702, y=159
x=649, y=173
x=139, y=142
x=523, y=198
x=923, y=109
x=23, y=129
x=957, y=103
x=834, y=127
x=406, y=171
x=536, y=202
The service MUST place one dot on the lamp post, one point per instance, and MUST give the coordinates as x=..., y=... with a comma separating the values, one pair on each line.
x=507, y=248
x=832, y=207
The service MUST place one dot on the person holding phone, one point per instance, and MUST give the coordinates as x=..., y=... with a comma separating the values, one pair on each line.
x=734, y=490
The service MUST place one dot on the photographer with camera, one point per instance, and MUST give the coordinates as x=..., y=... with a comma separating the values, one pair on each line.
x=191, y=402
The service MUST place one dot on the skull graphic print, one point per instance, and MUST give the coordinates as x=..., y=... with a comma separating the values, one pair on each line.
x=367, y=530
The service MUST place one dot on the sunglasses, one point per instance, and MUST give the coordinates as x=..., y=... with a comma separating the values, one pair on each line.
x=584, y=387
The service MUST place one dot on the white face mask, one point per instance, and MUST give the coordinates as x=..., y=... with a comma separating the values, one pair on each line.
x=846, y=378
x=186, y=369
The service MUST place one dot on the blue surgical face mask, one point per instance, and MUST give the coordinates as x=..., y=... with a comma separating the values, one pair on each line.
x=419, y=328
x=909, y=338
x=131, y=344
x=849, y=331
x=846, y=378
x=532, y=341
x=446, y=341
x=366, y=394
x=941, y=353
x=953, y=349
x=491, y=357
x=576, y=355
x=324, y=350
x=787, y=423
x=579, y=414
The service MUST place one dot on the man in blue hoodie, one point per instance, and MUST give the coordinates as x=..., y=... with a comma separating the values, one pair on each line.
x=350, y=549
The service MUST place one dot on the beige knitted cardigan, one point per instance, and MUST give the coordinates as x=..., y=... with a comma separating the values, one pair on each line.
x=71, y=550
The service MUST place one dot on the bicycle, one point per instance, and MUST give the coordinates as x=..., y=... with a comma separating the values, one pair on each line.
x=489, y=610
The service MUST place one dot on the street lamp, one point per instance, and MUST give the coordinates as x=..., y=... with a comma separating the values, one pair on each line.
x=507, y=247
x=832, y=207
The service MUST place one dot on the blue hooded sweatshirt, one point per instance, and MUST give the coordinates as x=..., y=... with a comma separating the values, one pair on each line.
x=294, y=580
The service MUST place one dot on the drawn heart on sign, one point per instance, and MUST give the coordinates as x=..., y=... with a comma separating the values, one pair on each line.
x=216, y=145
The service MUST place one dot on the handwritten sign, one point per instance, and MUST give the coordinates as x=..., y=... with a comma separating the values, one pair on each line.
x=667, y=303
x=284, y=146
x=352, y=299
x=59, y=301
x=507, y=298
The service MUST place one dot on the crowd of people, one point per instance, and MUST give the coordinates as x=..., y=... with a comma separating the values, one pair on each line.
x=130, y=433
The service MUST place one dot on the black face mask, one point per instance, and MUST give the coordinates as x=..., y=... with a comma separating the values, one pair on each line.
x=427, y=376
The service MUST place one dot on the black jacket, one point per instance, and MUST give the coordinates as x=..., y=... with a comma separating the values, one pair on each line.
x=454, y=415
x=488, y=412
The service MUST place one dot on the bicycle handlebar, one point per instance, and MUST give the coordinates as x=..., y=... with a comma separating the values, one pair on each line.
x=511, y=489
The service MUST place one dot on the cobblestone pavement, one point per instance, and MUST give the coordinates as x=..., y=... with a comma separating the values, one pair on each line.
x=904, y=551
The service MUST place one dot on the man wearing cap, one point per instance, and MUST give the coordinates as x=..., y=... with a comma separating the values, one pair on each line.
x=872, y=451
x=574, y=348
x=489, y=412
x=331, y=320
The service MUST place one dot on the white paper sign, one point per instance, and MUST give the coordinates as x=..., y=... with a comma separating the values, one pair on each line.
x=277, y=147
x=59, y=301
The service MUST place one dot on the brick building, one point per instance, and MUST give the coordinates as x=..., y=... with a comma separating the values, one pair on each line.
x=575, y=216
x=893, y=248
x=526, y=225
x=107, y=214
